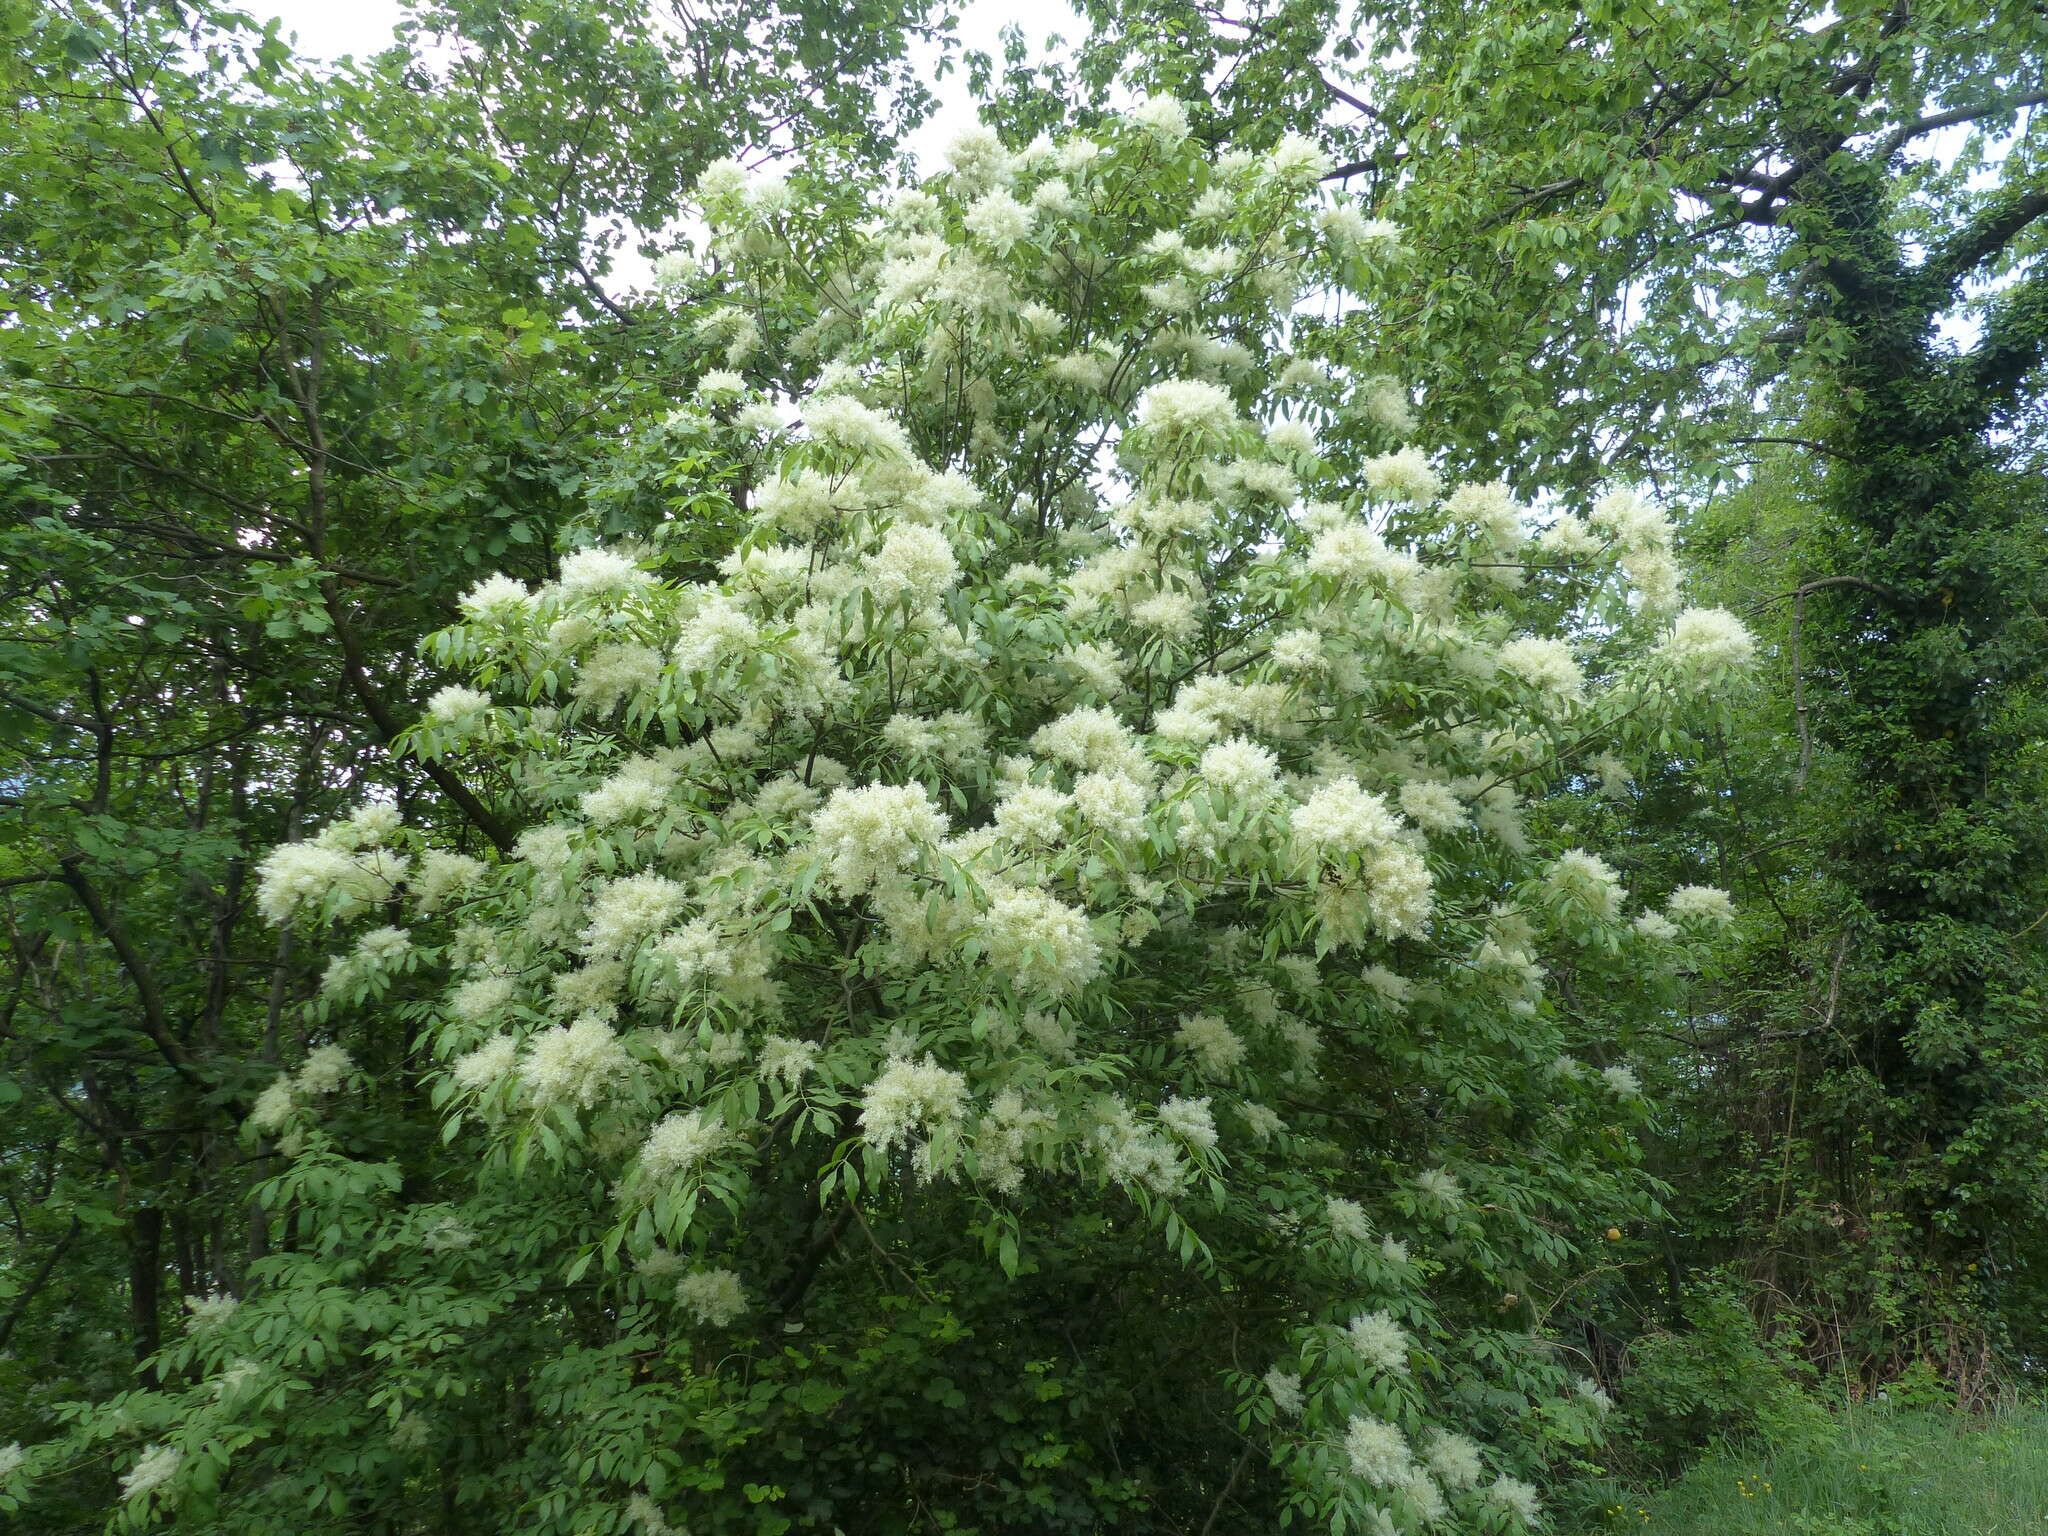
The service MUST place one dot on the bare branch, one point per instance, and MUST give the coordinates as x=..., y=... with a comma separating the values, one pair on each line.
x=1905, y=133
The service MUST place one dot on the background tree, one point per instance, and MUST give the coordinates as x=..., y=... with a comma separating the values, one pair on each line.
x=1676, y=239
x=289, y=357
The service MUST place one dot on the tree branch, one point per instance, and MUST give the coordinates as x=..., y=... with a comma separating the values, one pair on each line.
x=37, y=1282
x=2014, y=338
x=1817, y=586
x=1905, y=133
x=155, y=1021
x=1994, y=228
x=1794, y=442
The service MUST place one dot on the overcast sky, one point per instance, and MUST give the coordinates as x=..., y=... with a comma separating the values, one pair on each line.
x=327, y=29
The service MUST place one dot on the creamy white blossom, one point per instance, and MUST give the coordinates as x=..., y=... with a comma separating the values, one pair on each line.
x=855, y=427
x=1298, y=160
x=714, y=1297
x=456, y=705
x=1350, y=551
x=1347, y=1219
x=594, y=572
x=1703, y=904
x=1179, y=411
x=481, y=998
x=1656, y=927
x=1379, y=1341
x=326, y=1069
x=1164, y=118
x=205, y=1313
x=1622, y=1082
x=496, y=597
x=577, y=1064
x=442, y=877
x=1425, y=1498
x=1441, y=1186
x=299, y=877
x=629, y=909
x=1189, y=1119
x=156, y=1466
x=788, y=1061
x=720, y=386
x=1285, y=1389
x=1378, y=1451
x=1707, y=646
x=913, y=562
x=1546, y=665
x=680, y=1144
x=1433, y=806
x=1343, y=818
x=1243, y=768
x=1518, y=1498
x=909, y=1096
x=274, y=1106
x=489, y=1063
x=998, y=220
x=1033, y=815
x=1404, y=475
x=1390, y=988
x=874, y=833
x=1386, y=402
x=1588, y=880
x=1212, y=1042
x=1454, y=1460
x=1042, y=944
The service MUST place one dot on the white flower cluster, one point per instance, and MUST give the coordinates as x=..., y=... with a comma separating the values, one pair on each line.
x=155, y=1467
x=871, y=835
x=311, y=876
x=573, y=1065
x=1708, y=646
x=714, y=1297
x=1378, y=1451
x=909, y=1096
x=681, y=1144
x=205, y=1313
x=1042, y=944
x=326, y=1070
x=1642, y=534
x=1380, y=1341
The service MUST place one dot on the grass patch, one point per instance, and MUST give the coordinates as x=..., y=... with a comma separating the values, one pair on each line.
x=1884, y=1474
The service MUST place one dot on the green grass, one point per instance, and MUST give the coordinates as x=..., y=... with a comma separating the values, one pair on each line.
x=1886, y=1474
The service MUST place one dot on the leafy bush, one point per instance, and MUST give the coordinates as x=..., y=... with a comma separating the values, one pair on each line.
x=1719, y=1378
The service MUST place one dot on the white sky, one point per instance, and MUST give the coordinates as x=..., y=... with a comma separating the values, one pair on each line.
x=327, y=29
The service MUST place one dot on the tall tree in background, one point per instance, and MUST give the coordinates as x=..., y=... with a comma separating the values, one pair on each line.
x=288, y=356
x=1672, y=238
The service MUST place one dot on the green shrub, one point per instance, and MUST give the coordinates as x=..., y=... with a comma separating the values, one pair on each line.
x=1718, y=1378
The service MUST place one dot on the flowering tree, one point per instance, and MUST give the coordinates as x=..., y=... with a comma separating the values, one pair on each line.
x=1040, y=997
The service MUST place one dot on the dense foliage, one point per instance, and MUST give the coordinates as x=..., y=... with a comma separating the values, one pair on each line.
x=1786, y=258
x=289, y=358
x=1047, y=800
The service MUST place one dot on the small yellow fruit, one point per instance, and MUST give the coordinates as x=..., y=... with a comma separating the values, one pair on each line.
x=1614, y=1234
